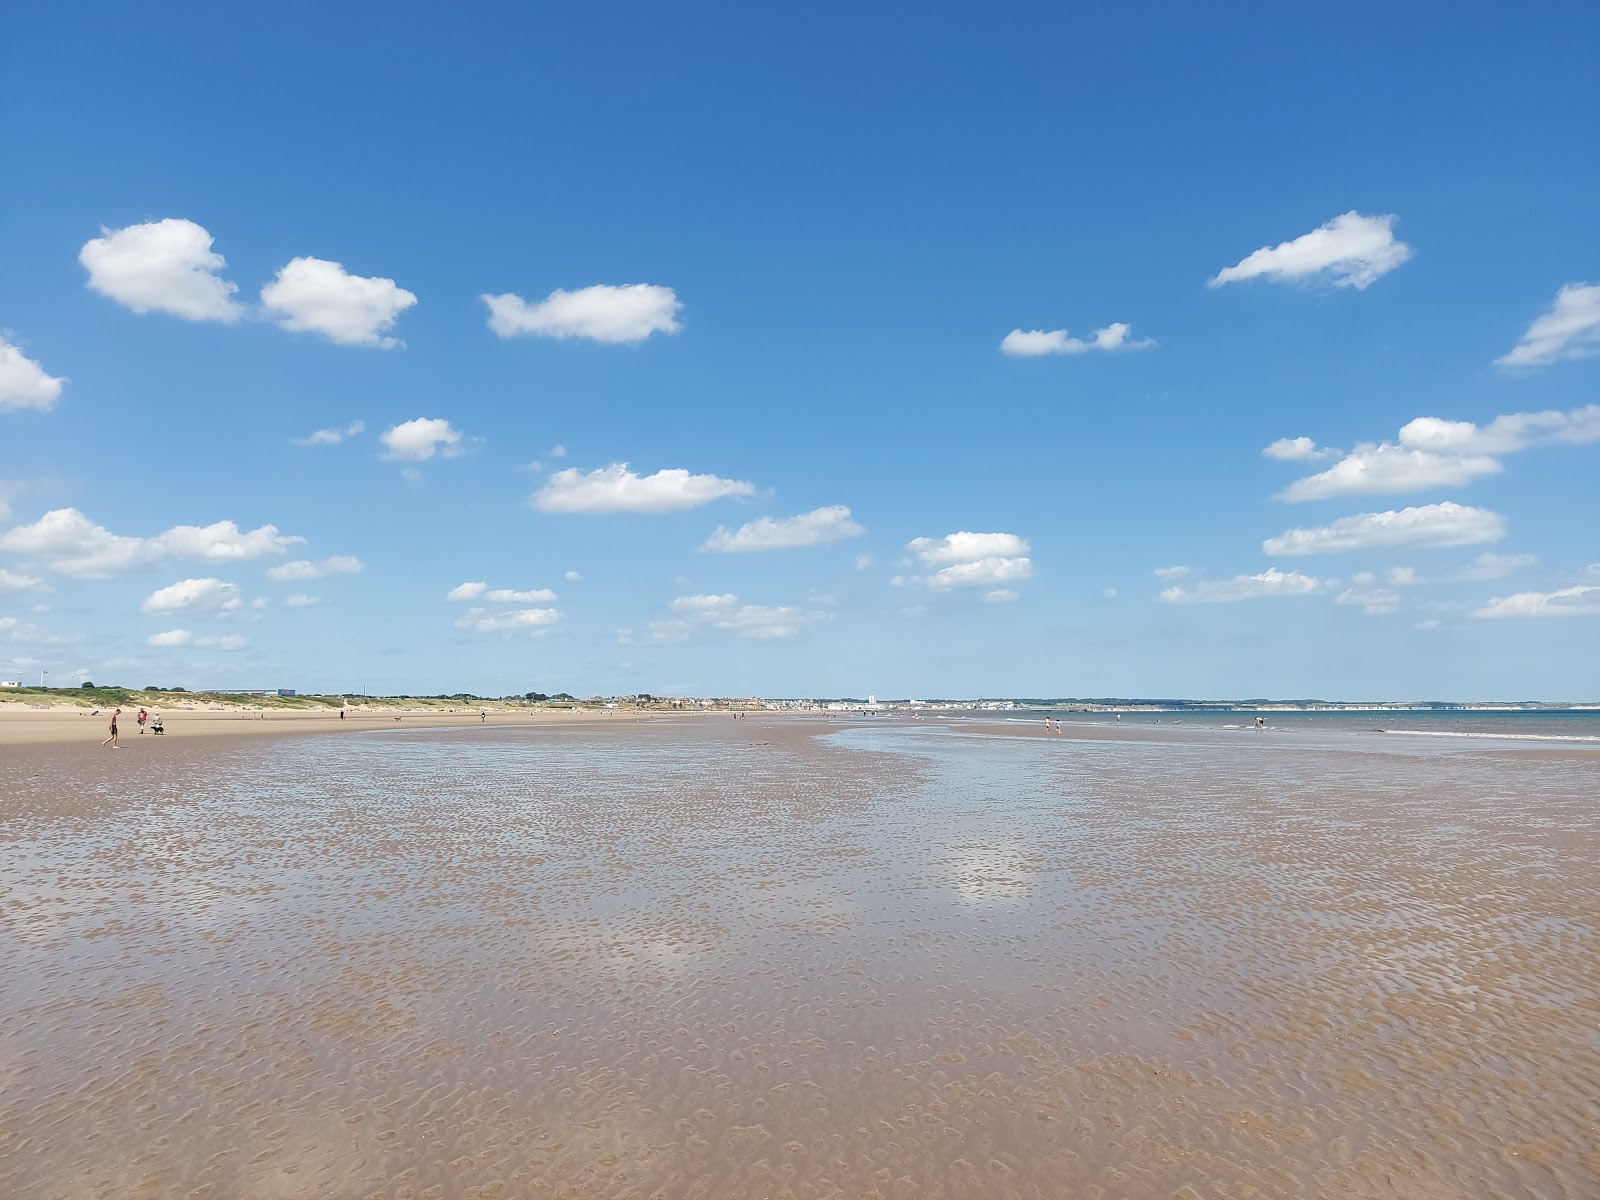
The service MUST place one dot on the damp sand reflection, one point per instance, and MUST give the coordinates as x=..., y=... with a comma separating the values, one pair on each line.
x=740, y=960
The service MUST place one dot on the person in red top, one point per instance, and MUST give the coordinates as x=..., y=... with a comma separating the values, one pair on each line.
x=142, y=717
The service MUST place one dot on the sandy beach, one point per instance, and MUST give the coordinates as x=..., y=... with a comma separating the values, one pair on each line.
x=21, y=725
x=700, y=957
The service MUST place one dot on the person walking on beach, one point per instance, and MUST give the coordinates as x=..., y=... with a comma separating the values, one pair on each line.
x=141, y=717
x=483, y=716
x=112, y=740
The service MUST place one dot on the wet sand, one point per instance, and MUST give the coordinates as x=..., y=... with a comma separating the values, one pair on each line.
x=707, y=958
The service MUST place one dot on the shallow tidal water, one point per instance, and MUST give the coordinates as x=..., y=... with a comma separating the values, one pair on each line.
x=758, y=959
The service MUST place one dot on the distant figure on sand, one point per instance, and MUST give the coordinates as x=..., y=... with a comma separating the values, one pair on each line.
x=1261, y=722
x=112, y=740
x=483, y=716
x=155, y=724
x=141, y=717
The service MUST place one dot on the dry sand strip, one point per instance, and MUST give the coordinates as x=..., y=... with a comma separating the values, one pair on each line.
x=25, y=727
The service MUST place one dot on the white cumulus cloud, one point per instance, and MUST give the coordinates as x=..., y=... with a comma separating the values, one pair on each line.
x=616, y=489
x=66, y=541
x=1178, y=572
x=1432, y=452
x=968, y=559
x=535, y=621
x=1000, y=596
x=162, y=266
x=420, y=439
x=482, y=591
x=207, y=594
x=1031, y=343
x=301, y=600
x=313, y=295
x=816, y=528
x=602, y=313
x=1296, y=449
x=572, y=576
x=966, y=547
x=12, y=582
x=185, y=637
x=339, y=564
x=1350, y=251
x=1571, y=329
x=333, y=436
x=1580, y=601
x=1271, y=582
x=1390, y=470
x=224, y=541
x=23, y=382
x=1445, y=524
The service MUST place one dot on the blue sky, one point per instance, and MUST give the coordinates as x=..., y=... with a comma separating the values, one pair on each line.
x=1015, y=350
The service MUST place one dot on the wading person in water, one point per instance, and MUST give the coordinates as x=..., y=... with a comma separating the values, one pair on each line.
x=112, y=740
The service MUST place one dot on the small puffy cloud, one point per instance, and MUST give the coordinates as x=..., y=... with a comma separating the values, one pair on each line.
x=1571, y=329
x=1446, y=524
x=616, y=489
x=1495, y=566
x=535, y=621
x=313, y=295
x=482, y=591
x=68, y=542
x=816, y=528
x=1296, y=449
x=863, y=562
x=12, y=582
x=1179, y=572
x=1349, y=251
x=1374, y=602
x=421, y=439
x=339, y=564
x=332, y=437
x=1271, y=582
x=1580, y=601
x=1032, y=343
x=572, y=577
x=23, y=382
x=206, y=594
x=999, y=596
x=172, y=637
x=558, y=451
x=602, y=313
x=301, y=600
x=1403, y=576
x=162, y=266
